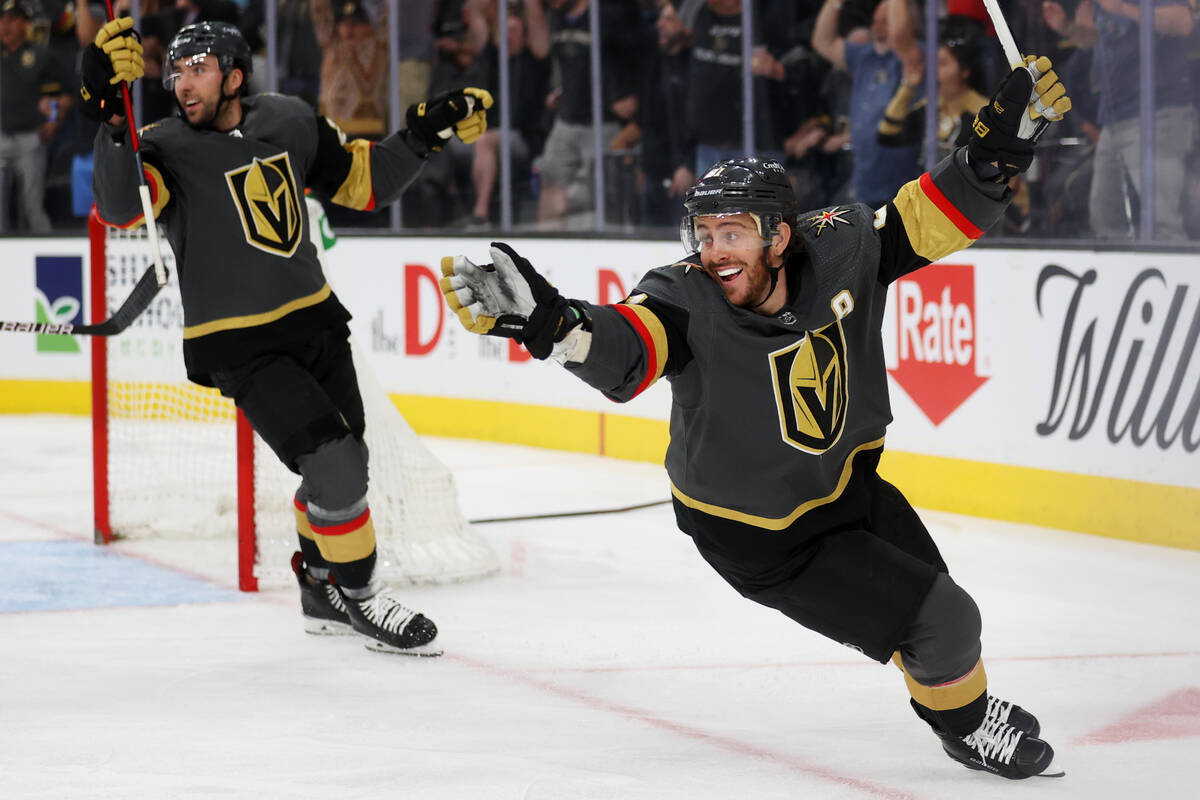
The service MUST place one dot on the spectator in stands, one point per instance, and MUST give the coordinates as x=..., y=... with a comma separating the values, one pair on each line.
x=959, y=81
x=416, y=49
x=716, y=72
x=662, y=109
x=32, y=102
x=297, y=54
x=565, y=166
x=875, y=70
x=529, y=75
x=354, y=67
x=1112, y=28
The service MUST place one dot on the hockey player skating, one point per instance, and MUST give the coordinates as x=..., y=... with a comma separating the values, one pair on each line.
x=261, y=324
x=769, y=334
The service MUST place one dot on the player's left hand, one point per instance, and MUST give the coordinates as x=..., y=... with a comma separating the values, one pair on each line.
x=462, y=112
x=1006, y=129
x=508, y=298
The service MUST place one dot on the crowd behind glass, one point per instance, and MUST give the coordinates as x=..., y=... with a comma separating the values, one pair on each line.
x=832, y=88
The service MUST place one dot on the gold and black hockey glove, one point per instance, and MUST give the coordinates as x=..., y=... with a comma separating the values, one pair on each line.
x=1007, y=128
x=509, y=298
x=115, y=56
x=462, y=112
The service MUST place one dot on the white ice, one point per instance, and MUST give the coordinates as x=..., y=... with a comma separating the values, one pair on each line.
x=606, y=661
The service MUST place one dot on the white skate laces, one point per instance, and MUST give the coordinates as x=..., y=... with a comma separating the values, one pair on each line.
x=386, y=612
x=995, y=740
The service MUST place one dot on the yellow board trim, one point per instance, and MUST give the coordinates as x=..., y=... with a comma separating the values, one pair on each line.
x=1138, y=511
x=45, y=397
x=251, y=320
x=357, y=190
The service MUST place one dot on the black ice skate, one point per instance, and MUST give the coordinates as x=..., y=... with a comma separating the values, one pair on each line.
x=1013, y=714
x=1003, y=749
x=390, y=626
x=322, y=605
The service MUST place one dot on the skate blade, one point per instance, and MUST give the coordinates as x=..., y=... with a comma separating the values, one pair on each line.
x=422, y=651
x=327, y=627
x=1052, y=771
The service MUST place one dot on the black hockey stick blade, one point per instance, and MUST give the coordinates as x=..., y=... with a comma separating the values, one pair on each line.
x=137, y=302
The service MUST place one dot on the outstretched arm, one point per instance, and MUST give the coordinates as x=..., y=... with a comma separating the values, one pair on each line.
x=619, y=349
x=365, y=175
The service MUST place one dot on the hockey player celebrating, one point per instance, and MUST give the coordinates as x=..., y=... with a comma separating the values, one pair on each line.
x=769, y=334
x=261, y=323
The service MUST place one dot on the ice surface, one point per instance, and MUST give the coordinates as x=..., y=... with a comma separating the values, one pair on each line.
x=606, y=661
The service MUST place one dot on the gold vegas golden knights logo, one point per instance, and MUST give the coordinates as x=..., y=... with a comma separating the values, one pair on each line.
x=811, y=383
x=266, y=197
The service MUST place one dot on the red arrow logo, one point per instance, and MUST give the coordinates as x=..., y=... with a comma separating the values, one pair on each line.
x=935, y=320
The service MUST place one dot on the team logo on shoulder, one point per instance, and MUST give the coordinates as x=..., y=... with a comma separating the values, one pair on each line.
x=264, y=192
x=828, y=219
x=811, y=380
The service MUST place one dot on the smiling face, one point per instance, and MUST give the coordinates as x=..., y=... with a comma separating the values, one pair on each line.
x=732, y=252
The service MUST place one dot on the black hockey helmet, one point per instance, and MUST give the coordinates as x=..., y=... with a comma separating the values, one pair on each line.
x=220, y=39
x=748, y=185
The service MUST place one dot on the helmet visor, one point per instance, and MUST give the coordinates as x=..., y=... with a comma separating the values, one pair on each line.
x=195, y=64
x=700, y=232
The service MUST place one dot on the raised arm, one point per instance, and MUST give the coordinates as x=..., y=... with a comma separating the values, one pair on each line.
x=902, y=36
x=364, y=175
x=537, y=30
x=825, y=40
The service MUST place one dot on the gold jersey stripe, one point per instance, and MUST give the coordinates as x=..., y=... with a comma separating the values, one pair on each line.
x=302, y=525
x=932, y=230
x=779, y=523
x=946, y=696
x=251, y=320
x=357, y=191
x=653, y=335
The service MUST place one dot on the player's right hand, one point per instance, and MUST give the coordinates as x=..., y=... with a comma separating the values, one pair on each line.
x=1007, y=128
x=491, y=299
x=509, y=298
x=114, y=56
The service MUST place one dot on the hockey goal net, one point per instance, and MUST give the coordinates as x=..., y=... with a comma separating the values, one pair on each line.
x=173, y=459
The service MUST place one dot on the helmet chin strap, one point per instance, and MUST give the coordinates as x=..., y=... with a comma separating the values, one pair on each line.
x=774, y=271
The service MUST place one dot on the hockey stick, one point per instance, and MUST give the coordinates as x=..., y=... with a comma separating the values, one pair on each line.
x=154, y=278
x=1013, y=54
x=145, y=290
x=1007, y=42
x=160, y=270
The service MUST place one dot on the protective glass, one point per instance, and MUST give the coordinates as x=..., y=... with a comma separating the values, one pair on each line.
x=196, y=65
x=701, y=231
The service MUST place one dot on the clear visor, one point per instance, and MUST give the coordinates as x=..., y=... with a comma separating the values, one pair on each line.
x=197, y=66
x=732, y=229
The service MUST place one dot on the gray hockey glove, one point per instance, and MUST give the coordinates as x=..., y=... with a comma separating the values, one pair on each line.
x=509, y=298
x=1006, y=129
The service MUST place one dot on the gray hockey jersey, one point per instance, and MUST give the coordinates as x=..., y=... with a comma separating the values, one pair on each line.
x=769, y=413
x=232, y=204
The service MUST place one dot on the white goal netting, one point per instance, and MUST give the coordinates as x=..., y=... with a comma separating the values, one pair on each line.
x=172, y=455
